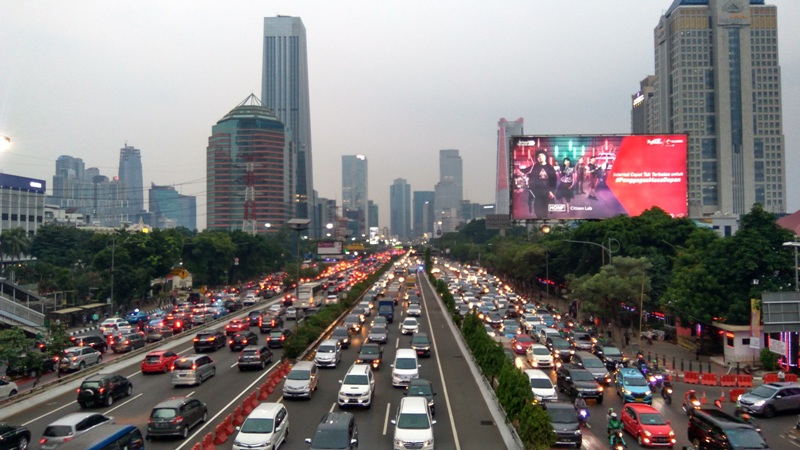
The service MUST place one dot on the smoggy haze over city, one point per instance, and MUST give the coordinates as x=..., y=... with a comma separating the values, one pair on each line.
x=395, y=81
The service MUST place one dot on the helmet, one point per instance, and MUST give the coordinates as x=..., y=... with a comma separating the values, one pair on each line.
x=613, y=415
x=745, y=416
x=611, y=410
x=580, y=395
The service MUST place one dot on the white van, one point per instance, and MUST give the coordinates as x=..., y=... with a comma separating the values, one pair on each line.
x=405, y=367
x=545, y=333
x=413, y=426
x=267, y=426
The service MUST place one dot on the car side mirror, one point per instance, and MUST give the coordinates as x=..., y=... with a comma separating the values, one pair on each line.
x=433, y=422
x=308, y=441
x=238, y=428
x=778, y=396
x=391, y=365
x=353, y=441
x=419, y=366
x=567, y=378
x=340, y=381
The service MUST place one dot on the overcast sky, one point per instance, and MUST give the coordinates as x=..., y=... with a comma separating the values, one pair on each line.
x=394, y=80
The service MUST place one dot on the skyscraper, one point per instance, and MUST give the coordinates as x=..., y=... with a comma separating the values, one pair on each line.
x=245, y=160
x=449, y=191
x=130, y=176
x=718, y=80
x=423, y=212
x=354, y=192
x=505, y=130
x=642, y=106
x=172, y=209
x=284, y=89
x=102, y=201
x=400, y=208
x=372, y=214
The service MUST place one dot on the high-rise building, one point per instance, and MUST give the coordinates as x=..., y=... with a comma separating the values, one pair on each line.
x=400, y=208
x=284, y=89
x=21, y=204
x=245, y=160
x=505, y=130
x=86, y=192
x=718, y=80
x=354, y=193
x=449, y=191
x=642, y=106
x=423, y=212
x=372, y=214
x=171, y=209
x=130, y=176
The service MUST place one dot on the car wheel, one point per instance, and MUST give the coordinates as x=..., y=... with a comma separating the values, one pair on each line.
x=639, y=439
x=12, y=393
x=263, y=365
x=205, y=416
x=109, y=400
x=83, y=405
x=129, y=390
x=769, y=411
x=82, y=365
x=99, y=359
x=185, y=433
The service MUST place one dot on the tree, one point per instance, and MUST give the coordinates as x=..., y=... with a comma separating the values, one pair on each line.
x=17, y=350
x=14, y=242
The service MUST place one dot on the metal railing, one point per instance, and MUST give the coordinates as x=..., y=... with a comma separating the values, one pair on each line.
x=20, y=312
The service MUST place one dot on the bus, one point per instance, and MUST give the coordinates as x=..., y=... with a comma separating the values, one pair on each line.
x=306, y=293
x=107, y=437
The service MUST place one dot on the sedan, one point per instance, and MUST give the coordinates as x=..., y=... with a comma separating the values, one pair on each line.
x=15, y=436
x=277, y=337
x=136, y=316
x=414, y=310
x=520, y=343
x=647, y=425
x=409, y=326
x=236, y=325
x=379, y=334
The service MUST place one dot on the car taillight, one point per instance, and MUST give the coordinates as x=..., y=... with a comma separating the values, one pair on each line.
x=212, y=338
x=101, y=390
x=172, y=367
x=194, y=366
x=230, y=341
x=283, y=337
x=244, y=341
x=178, y=419
x=127, y=342
x=78, y=390
x=42, y=441
x=195, y=339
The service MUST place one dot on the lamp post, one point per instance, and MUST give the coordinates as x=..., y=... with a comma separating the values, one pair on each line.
x=794, y=244
x=113, y=247
x=547, y=274
x=298, y=225
x=605, y=249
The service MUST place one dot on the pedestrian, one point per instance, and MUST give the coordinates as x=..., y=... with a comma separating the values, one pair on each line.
x=95, y=318
x=781, y=375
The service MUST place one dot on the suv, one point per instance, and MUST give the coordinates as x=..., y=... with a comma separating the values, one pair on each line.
x=713, y=429
x=342, y=335
x=413, y=426
x=192, y=369
x=371, y=354
x=242, y=339
x=770, y=398
x=175, y=416
x=301, y=380
x=581, y=340
x=268, y=324
x=103, y=389
x=77, y=358
x=632, y=386
x=358, y=387
x=610, y=355
x=267, y=426
x=255, y=356
x=328, y=354
x=336, y=431
x=573, y=380
x=69, y=426
x=95, y=341
x=255, y=318
x=209, y=340
x=421, y=344
x=564, y=420
x=128, y=343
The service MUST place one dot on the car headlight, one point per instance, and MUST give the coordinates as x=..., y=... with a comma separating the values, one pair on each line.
x=577, y=432
x=647, y=433
x=427, y=443
x=671, y=433
x=399, y=442
x=759, y=403
x=600, y=388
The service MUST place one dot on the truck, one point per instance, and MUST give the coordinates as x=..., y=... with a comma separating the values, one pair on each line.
x=386, y=308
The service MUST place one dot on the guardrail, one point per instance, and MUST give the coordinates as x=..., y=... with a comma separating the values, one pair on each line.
x=22, y=312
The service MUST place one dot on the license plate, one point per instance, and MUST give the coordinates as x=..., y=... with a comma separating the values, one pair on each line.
x=638, y=400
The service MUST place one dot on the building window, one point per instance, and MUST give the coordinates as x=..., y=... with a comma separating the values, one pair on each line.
x=746, y=342
x=729, y=339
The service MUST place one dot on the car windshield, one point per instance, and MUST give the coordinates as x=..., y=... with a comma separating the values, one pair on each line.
x=562, y=415
x=745, y=438
x=405, y=363
x=275, y=333
x=410, y=323
x=163, y=413
x=582, y=375
x=340, y=333
x=560, y=343
x=333, y=439
x=652, y=419
x=635, y=381
x=57, y=431
x=378, y=329
x=326, y=349
x=369, y=350
x=611, y=351
x=541, y=383
x=524, y=338
x=420, y=389
x=420, y=340
x=763, y=392
x=257, y=426
x=298, y=375
x=250, y=352
x=183, y=364
x=541, y=351
x=413, y=421
x=356, y=379
x=592, y=363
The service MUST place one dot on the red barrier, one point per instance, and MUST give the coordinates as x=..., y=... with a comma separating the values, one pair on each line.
x=208, y=442
x=735, y=393
x=229, y=424
x=198, y=446
x=220, y=435
x=727, y=380
x=708, y=379
x=771, y=378
x=744, y=380
x=791, y=377
x=269, y=390
x=237, y=416
x=691, y=377
x=262, y=392
x=246, y=407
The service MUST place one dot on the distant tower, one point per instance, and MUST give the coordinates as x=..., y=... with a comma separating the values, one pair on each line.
x=355, y=192
x=505, y=130
x=400, y=208
x=449, y=191
x=130, y=176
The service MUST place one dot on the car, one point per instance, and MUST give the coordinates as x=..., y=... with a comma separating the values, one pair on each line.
x=77, y=358
x=255, y=318
x=328, y=354
x=249, y=299
x=235, y=326
x=301, y=381
x=771, y=398
x=491, y=332
x=581, y=340
x=267, y=427
x=520, y=343
x=111, y=325
x=463, y=310
x=254, y=357
x=420, y=387
x=541, y=386
x=510, y=328
x=647, y=425
x=353, y=323
x=331, y=299
x=202, y=315
x=192, y=370
x=379, y=320
x=336, y=431
x=529, y=321
x=405, y=368
x=494, y=319
x=242, y=339
x=291, y=313
x=7, y=388
x=176, y=323
x=538, y=356
x=91, y=340
x=277, y=337
x=594, y=365
x=208, y=340
x=414, y=310
x=545, y=332
x=421, y=344
x=561, y=348
x=714, y=429
x=358, y=387
x=343, y=335
x=632, y=386
x=136, y=316
x=270, y=323
x=370, y=353
x=103, y=389
x=18, y=369
x=410, y=326
x=128, y=343
x=565, y=423
x=572, y=380
x=70, y=426
x=157, y=330
x=158, y=361
x=175, y=417
x=14, y=436
x=378, y=333
x=413, y=425
x=233, y=304
x=276, y=310
x=610, y=355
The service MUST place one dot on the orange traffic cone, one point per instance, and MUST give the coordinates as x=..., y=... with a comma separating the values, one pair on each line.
x=704, y=400
x=722, y=396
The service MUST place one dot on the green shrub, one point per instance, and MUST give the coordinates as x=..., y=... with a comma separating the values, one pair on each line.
x=769, y=360
x=534, y=428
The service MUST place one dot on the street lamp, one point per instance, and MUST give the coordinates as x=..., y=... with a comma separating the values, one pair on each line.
x=794, y=244
x=5, y=142
x=606, y=249
x=298, y=225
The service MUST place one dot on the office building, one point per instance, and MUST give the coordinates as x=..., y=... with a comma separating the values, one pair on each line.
x=505, y=130
x=21, y=204
x=245, y=161
x=400, y=209
x=423, y=212
x=449, y=191
x=284, y=89
x=719, y=81
x=372, y=214
x=130, y=176
x=354, y=193
x=170, y=209
x=642, y=106
x=99, y=200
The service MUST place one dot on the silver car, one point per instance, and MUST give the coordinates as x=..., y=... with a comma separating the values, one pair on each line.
x=301, y=380
x=77, y=358
x=192, y=369
x=770, y=398
x=379, y=334
x=69, y=426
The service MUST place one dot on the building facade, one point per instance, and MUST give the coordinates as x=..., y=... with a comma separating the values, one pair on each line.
x=171, y=209
x=505, y=130
x=423, y=212
x=719, y=81
x=21, y=203
x=372, y=214
x=449, y=191
x=355, y=196
x=130, y=176
x=400, y=209
x=642, y=106
x=245, y=161
x=100, y=200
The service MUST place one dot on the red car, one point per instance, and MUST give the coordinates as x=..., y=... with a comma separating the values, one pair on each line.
x=237, y=325
x=520, y=343
x=647, y=425
x=158, y=361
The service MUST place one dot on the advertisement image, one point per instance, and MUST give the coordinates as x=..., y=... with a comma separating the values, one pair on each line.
x=329, y=248
x=597, y=177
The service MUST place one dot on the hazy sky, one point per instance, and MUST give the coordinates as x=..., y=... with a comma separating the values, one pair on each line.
x=394, y=80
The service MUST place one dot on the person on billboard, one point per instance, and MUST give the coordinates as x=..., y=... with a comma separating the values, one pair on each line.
x=580, y=175
x=566, y=182
x=594, y=171
x=542, y=183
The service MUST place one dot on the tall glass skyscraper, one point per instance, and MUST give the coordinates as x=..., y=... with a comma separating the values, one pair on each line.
x=718, y=80
x=449, y=191
x=400, y=208
x=172, y=209
x=423, y=212
x=130, y=176
x=354, y=192
x=505, y=130
x=284, y=89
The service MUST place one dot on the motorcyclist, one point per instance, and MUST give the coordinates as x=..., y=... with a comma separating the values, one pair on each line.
x=615, y=425
x=666, y=387
x=690, y=401
x=580, y=405
x=749, y=419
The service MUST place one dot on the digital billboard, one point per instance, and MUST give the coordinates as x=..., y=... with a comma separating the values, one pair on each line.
x=329, y=248
x=598, y=176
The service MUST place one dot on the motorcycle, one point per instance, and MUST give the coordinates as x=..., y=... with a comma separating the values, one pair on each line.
x=690, y=402
x=666, y=392
x=617, y=442
x=583, y=417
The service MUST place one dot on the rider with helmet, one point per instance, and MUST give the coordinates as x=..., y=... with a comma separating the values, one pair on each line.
x=614, y=426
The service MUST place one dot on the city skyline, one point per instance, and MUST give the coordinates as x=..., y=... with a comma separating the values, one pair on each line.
x=376, y=90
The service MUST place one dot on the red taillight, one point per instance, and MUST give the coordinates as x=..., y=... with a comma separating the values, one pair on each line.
x=244, y=341
x=78, y=390
x=127, y=342
x=212, y=338
x=283, y=337
x=102, y=390
x=194, y=366
x=42, y=441
x=195, y=339
x=172, y=367
x=177, y=419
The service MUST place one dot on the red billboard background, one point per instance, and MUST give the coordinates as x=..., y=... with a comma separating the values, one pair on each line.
x=597, y=177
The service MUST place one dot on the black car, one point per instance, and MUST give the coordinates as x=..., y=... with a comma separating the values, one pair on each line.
x=14, y=436
x=610, y=355
x=561, y=348
x=370, y=354
x=564, y=420
x=49, y=364
x=713, y=429
x=581, y=341
x=421, y=344
x=268, y=324
x=336, y=431
x=177, y=324
x=342, y=335
x=175, y=416
x=93, y=340
x=233, y=305
x=103, y=389
x=255, y=357
x=255, y=317
x=277, y=337
x=353, y=323
x=420, y=387
x=242, y=339
x=572, y=380
x=209, y=340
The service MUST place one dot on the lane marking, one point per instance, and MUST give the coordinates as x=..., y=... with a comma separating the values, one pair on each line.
x=333, y=406
x=190, y=393
x=386, y=418
x=397, y=343
x=47, y=414
x=123, y=404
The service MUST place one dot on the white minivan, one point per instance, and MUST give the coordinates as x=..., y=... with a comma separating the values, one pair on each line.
x=266, y=427
x=413, y=427
x=405, y=367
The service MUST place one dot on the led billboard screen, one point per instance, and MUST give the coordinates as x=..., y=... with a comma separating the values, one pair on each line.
x=598, y=176
x=329, y=248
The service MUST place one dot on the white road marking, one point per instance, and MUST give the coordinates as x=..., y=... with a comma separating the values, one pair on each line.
x=123, y=404
x=190, y=393
x=46, y=414
x=333, y=406
x=397, y=343
x=386, y=419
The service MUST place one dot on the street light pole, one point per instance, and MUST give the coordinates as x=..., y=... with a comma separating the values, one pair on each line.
x=298, y=225
x=113, y=246
x=605, y=249
x=794, y=244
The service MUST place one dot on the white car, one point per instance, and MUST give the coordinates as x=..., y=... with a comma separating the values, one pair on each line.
x=7, y=388
x=409, y=326
x=267, y=426
x=331, y=299
x=113, y=324
x=358, y=387
x=249, y=299
x=414, y=310
x=541, y=386
x=539, y=356
x=413, y=427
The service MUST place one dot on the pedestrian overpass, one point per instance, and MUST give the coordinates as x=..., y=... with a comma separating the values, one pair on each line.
x=18, y=307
